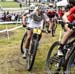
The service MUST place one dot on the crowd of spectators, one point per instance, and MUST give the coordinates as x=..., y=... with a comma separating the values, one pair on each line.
x=14, y=16
x=7, y=16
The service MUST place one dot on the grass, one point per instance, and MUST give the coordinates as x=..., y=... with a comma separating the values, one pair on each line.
x=11, y=61
x=3, y=26
x=9, y=4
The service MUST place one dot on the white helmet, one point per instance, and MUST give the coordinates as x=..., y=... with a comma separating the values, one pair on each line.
x=39, y=8
x=32, y=7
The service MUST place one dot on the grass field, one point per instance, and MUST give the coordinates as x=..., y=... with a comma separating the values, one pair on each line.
x=11, y=61
x=9, y=4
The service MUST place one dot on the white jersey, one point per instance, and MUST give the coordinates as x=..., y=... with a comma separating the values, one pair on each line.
x=36, y=20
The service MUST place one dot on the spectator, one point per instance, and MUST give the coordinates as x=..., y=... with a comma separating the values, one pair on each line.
x=8, y=17
x=4, y=16
x=13, y=17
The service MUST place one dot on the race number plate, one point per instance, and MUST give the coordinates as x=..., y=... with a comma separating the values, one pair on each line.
x=37, y=31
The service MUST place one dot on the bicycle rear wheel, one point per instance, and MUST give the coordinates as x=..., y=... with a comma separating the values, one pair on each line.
x=53, y=60
x=31, y=54
x=23, y=43
x=70, y=65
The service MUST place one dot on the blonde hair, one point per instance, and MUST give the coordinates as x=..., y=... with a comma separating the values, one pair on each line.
x=36, y=8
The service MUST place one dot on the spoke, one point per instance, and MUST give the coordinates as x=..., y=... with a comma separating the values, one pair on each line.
x=53, y=59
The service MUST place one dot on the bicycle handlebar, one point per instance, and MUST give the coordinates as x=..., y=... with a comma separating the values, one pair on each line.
x=70, y=25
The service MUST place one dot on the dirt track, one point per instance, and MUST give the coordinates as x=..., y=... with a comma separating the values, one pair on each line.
x=4, y=34
x=11, y=61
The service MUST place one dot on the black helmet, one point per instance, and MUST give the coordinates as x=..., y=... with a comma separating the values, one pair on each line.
x=71, y=2
x=68, y=7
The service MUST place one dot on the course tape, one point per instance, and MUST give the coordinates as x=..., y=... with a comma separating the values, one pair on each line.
x=10, y=22
x=7, y=30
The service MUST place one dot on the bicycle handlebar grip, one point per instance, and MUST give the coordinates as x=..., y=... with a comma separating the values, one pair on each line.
x=24, y=25
x=70, y=25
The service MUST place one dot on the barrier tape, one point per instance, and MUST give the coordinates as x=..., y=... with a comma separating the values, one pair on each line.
x=7, y=30
x=3, y=31
x=10, y=22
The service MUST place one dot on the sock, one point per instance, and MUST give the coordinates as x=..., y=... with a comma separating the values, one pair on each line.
x=61, y=46
x=24, y=50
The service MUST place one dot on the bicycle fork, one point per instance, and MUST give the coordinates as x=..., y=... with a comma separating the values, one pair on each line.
x=61, y=63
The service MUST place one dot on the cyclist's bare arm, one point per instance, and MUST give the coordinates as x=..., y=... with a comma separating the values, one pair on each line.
x=24, y=20
x=65, y=19
x=46, y=18
x=26, y=16
x=71, y=11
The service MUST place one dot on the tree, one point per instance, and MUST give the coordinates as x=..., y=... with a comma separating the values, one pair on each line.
x=48, y=0
x=20, y=5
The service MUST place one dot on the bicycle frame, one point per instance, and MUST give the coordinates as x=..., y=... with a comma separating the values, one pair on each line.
x=70, y=48
x=36, y=33
x=35, y=37
x=55, y=58
x=31, y=53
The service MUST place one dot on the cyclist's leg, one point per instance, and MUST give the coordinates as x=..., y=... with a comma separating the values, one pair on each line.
x=29, y=33
x=50, y=25
x=53, y=26
x=65, y=38
x=66, y=35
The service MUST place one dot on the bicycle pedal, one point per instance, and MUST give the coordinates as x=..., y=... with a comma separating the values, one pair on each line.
x=24, y=56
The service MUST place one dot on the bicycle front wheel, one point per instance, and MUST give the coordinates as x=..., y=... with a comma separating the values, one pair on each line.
x=70, y=66
x=53, y=59
x=23, y=43
x=31, y=54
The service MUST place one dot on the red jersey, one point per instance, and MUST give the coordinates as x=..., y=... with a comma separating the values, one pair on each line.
x=61, y=13
x=51, y=14
x=71, y=17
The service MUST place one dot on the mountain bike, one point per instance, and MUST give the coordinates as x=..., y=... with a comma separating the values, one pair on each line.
x=57, y=64
x=31, y=52
x=70, y=62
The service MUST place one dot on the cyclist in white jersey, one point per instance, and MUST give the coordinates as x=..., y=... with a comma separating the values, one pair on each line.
x=37, y=18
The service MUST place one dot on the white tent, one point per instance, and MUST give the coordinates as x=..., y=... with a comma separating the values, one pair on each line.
x=62, y=3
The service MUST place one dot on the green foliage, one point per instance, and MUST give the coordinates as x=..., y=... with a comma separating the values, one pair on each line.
x=9, y=4
x=3, y=26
